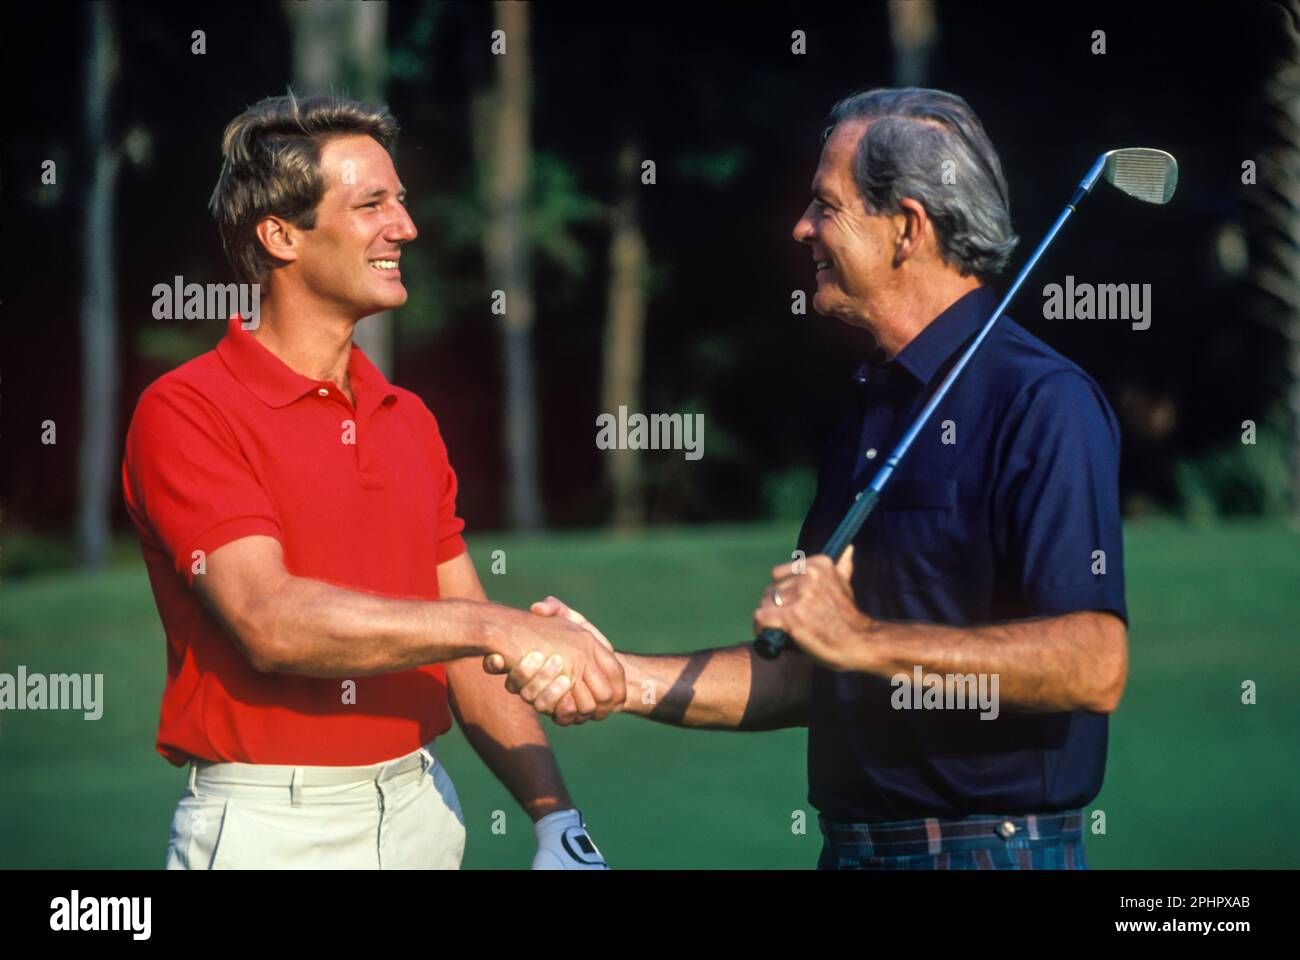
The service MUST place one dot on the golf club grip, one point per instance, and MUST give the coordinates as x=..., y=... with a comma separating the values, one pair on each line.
x=863, y=504
x=771, y=641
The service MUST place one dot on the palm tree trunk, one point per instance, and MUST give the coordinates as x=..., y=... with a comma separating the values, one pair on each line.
x=341, y=48
x=912, y=33
x=99, y=327
x=625, y=334
x=507, y=252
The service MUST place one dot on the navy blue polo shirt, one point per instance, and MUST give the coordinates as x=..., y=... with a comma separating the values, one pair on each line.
x=995, y=514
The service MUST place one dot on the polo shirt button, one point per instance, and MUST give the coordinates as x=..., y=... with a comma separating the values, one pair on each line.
x=871, y=454
x=323, y=391
x=1006, y=829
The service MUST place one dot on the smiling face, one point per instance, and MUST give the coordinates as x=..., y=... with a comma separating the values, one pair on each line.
x=351, y=256
x=852, y=250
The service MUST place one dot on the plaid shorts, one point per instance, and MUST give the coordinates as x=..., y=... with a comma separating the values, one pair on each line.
x=1043, y=841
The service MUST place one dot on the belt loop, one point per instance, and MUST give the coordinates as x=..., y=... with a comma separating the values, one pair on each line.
x=194, y=769
x=295, y=788
x=426, y=760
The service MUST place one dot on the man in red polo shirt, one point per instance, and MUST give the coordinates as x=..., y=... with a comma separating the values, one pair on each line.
x=297, y=515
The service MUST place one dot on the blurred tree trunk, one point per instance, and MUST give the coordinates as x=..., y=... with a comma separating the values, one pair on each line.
x=625, y=333
x=502, y=133
x=1275, y=201
x=912, y=32
x=98, y=454
x=340, y=48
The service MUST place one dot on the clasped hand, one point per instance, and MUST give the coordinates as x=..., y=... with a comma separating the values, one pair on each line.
x=813, y=603
x=569, y=669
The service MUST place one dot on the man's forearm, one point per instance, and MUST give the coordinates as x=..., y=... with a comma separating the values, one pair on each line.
x=1068, y=662
x=316, y=629
x=728, y=689
x=505, y=732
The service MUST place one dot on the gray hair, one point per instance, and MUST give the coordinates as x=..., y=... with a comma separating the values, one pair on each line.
x=912, y=135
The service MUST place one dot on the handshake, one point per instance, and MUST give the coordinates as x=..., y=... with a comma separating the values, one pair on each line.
x=562, y=665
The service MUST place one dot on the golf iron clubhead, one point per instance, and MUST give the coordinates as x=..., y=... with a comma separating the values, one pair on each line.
x=1145, y=173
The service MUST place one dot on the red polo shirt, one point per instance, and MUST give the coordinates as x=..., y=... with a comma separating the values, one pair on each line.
x=235, y=444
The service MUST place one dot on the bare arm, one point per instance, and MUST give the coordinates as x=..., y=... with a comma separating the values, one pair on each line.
x=503, y=730
x=1075, y=661
x=728, y=689
x=289, y=624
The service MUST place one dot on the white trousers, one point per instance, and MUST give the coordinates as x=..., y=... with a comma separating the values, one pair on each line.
x=403, y=814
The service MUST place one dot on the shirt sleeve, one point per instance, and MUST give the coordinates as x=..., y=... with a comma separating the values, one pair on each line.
x=186, y=482
x=451, y=543
x=1059, y=500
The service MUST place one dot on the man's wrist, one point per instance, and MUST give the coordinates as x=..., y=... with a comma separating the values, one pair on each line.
x=635, y=700
x=541, y=809
x=479, y=628
x=874, y=648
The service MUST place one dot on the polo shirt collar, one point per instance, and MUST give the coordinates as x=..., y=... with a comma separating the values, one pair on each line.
x=273, y=382
x=928, y=350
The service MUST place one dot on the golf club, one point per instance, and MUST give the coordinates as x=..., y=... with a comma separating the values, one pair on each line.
x=1149, y=175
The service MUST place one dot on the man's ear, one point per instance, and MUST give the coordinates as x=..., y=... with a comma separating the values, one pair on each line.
x=278, y=237
x=909, y=229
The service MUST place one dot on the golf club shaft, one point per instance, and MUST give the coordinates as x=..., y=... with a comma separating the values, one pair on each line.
x=771, y=641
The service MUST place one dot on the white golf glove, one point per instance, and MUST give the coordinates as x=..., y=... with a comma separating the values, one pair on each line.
x=563, y=843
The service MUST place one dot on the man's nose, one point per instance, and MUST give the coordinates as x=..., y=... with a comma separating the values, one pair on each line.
x=403, y=228
x=803, y=229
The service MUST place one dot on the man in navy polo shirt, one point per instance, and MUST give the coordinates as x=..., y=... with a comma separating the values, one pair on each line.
x=956, y=668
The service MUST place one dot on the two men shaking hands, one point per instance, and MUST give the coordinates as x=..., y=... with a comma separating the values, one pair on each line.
x=730, y=688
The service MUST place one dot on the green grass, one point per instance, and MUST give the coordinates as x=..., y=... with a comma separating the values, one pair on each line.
x=1194, y=779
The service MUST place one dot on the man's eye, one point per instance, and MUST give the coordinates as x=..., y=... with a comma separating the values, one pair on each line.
x=374, y=203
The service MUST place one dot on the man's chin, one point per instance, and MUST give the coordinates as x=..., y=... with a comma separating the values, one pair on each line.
x=839, y=309
x=389, y=300
x=825, y=305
